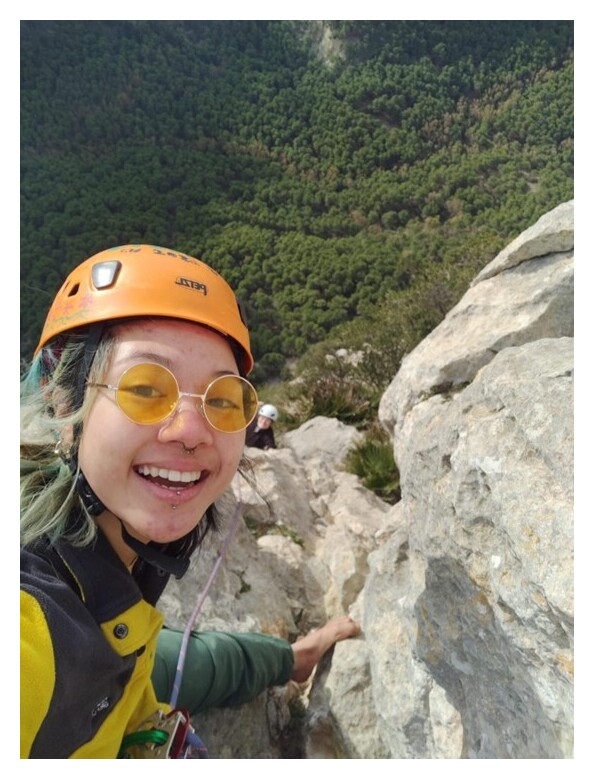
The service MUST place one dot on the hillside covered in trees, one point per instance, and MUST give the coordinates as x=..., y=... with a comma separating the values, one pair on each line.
x=329, y=170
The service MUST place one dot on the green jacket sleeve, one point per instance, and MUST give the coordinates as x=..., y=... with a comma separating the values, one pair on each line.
x=221, y=669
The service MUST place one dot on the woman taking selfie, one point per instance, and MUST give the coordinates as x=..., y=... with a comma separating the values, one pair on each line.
x=133, y=418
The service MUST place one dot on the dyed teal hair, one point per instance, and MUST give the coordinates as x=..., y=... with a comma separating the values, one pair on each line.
x=49, y=498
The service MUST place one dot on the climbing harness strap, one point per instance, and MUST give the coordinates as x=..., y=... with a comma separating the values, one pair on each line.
x=166, y=736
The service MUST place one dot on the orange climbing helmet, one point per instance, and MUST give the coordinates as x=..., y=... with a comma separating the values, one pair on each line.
x=141, y=280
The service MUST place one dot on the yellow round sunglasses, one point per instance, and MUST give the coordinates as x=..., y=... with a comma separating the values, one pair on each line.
x=149, y=393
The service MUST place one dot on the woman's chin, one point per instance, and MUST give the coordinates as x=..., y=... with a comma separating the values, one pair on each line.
x=166, y=532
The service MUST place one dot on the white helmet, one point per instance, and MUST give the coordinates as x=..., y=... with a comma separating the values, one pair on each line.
x=269, y=411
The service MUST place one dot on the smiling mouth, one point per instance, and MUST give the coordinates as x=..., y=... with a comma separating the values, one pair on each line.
x=173, y=480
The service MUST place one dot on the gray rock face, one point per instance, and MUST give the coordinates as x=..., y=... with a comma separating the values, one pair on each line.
x=464, y=589
x=488, y=488
x=483, y=437
x=551, y=234
x=517, y=301
x=322, y=437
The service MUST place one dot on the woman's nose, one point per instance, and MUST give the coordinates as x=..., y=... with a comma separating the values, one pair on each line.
x=187, y=424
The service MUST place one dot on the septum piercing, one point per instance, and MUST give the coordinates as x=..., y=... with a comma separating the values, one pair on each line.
x=188, y=450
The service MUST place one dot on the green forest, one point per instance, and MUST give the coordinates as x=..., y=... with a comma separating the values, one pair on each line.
x=348, y=178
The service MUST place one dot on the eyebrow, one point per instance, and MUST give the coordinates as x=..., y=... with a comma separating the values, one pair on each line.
x=165, y=361
x=147, y=357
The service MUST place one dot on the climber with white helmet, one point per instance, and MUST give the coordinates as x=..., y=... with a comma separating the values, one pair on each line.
x=259, y=432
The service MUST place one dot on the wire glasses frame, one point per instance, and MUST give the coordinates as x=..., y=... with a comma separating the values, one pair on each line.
x=149, y=393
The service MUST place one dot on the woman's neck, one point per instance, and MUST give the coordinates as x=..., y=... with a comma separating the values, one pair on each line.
x=112, y=529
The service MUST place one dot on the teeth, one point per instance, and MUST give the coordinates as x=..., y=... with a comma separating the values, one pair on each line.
x=165, y=473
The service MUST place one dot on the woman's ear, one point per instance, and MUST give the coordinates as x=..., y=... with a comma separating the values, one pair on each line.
x=67, y=436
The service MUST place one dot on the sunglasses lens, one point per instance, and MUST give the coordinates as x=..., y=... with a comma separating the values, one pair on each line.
x=147, y=393
x=230, y=404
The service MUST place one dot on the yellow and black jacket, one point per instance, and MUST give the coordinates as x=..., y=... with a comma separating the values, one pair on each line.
x=88, y=646
x=88, y=641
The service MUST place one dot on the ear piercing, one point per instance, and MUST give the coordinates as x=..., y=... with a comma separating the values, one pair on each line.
x=64, y=451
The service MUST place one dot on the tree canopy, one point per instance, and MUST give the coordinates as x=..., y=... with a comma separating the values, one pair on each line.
x=319, y=166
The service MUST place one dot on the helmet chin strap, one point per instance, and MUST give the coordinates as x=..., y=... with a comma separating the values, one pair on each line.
x=89, y=500
x=177, y=566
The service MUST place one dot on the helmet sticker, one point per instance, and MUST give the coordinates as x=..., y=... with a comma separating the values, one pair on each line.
x=159, y=250
x=192, y=284
x=66, y=311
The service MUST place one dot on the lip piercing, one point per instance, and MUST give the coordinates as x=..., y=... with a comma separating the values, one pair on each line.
x=187, y=450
